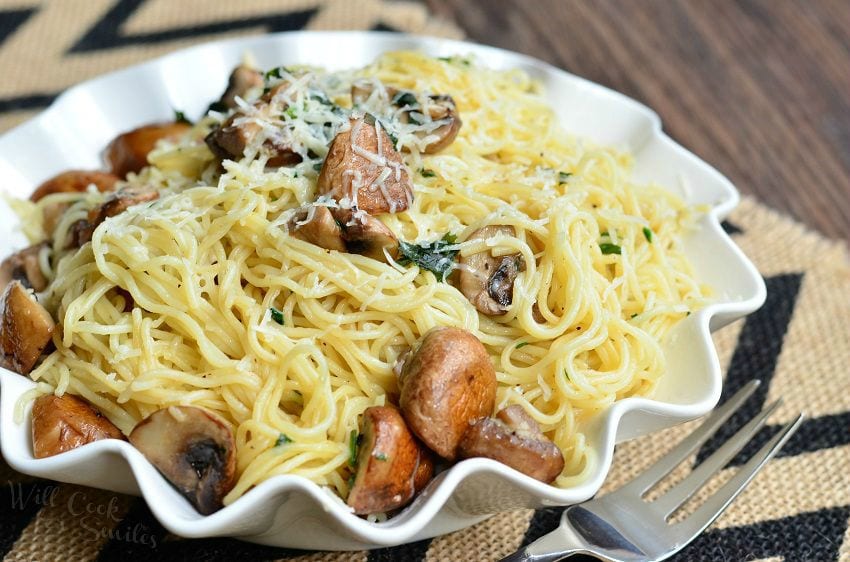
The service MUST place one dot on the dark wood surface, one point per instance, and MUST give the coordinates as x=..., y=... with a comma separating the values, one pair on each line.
x=758, y=88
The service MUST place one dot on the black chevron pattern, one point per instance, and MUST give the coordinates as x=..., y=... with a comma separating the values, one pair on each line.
x=10, y=20
x=107, y=34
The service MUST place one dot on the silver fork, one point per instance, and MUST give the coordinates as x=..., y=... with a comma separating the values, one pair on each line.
x=622, y=526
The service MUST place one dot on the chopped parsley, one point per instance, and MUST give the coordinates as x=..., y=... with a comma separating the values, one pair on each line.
x=566, y=374
x=381, y=456
x=647, y=233
x=563, y=177
x=405, y=98
x=353, y=441
x=634, y=315
x=434, y=256
x=276, y=72
x=351, y=481
x=218, y=107
x=292, y=111
x=427, y=173
x=521, y=344
x=282, y=440
x=277, y=315
x=180, y=117
x=609, y=248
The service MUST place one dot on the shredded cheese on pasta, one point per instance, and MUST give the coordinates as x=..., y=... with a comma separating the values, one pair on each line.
x=206, y=263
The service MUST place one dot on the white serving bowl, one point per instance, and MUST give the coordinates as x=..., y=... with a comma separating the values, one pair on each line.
x=289, y=510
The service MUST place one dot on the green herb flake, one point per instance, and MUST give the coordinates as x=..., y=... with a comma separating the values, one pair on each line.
x=563, y=177
x=405, y=98
x=180, y=117
x=566, y=375
x=282, y=440
x=218, y=107
x=351, y=481
x=521, y=344
x=292, y=111
x=647, y=233
x=435, y=256
x=277, y=315
x=276, y=72
x=352, y=447
x=427, y=173
x=608, y=248
x=318, y=166
x=445, y=59
x=381, y=456
x=634, y=315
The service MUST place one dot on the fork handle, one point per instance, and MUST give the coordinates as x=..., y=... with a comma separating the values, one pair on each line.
x=557, y=545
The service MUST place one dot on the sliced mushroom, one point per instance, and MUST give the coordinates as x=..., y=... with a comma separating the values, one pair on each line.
x=387, y=463
x=26, y=329
x=242, y=80
x=367, y=235
x=440, y=109
x=62, y=423
x=315, y=224
x=445, y=384
x=75, y=181
x=128, y=152
x=123, y=199
x=488, y=281
x=23, y=266
x=363, y=166
x=115, y=204
x=513, y=439
x=229, y=140
x=194, y=449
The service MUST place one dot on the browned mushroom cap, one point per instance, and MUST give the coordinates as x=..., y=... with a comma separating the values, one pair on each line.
x=62, y=423
x=229, y=141
x=315, y=224
x=361, y=91
x=115, y=204
x=441, y=109
x=515, y=440
x=374, y=179
x=128, y=152
x=242, y=80
x=445, y=384
x=488, y=281
x=387, y=463
x=424, y=470
x=366, y=235
x=75, y=181
x=25, y=329
x=23, y=266
x=194, y=449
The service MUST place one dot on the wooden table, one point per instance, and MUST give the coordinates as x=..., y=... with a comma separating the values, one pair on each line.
x=758, y=88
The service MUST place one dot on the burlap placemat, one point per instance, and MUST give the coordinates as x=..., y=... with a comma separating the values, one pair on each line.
x=798, y=343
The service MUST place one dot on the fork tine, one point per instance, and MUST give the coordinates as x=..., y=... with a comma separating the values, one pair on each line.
x=679, y=494
x=644, y=481
x=716, y=504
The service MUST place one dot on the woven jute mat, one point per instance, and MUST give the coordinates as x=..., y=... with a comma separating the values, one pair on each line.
x=798, y=344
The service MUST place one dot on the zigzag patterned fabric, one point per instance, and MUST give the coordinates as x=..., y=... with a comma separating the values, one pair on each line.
x=798, y=344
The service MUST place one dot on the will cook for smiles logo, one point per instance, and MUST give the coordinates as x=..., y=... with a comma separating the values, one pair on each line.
x=99, y=520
